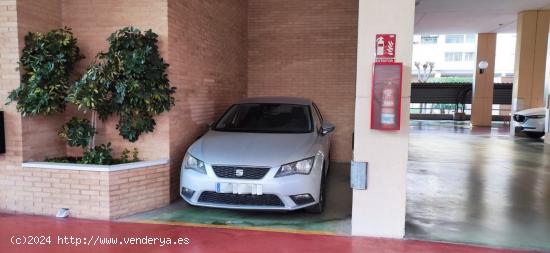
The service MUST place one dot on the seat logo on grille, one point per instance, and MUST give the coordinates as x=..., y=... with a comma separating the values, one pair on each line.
x=239, y=172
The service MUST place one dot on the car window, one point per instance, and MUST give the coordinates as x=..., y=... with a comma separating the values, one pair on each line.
x=266, y=118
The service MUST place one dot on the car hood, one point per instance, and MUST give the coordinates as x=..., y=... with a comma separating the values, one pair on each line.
x=532, y=111
x=252, y=149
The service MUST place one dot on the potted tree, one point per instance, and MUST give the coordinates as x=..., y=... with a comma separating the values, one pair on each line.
x=128, y=81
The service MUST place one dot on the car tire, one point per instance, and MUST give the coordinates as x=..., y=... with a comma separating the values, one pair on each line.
x=535, y=135
x=320, y=206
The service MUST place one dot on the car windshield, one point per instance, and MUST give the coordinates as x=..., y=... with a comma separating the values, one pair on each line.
x=266, y=118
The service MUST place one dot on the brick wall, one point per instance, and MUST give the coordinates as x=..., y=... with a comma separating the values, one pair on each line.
x=92, y=22
x=138, y=190
x=44, y=191
x=9, y=79
x=207, y=40
x=39, y=133
x=307, y=48
x=88, y=194
x=26, y=138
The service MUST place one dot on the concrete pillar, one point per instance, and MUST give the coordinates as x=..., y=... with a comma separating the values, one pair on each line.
x=380, y=210
x=530, y=65
x=482, y=92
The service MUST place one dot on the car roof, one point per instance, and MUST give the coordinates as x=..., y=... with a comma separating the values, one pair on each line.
x=277, y=100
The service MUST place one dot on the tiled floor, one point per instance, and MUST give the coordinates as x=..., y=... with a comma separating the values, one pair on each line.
x=201, y=240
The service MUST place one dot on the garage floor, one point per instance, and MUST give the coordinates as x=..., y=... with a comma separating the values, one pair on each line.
x=106, y=236
x=466, y=185
x=336, y=219
x=478, y=186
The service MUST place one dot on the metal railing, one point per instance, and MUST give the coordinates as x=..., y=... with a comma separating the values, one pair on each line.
x=447, y=111
x=456, y=93
x=442, y=100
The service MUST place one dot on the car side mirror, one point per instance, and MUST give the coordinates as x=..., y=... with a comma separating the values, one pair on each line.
x=326, y=128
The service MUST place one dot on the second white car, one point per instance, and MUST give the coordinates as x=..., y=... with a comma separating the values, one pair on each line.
x=531, y=121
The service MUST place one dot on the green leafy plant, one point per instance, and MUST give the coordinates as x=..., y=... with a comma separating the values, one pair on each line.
x=77, y=132
x=128, y=80
x=135, y=155
x=93, y=90
x=46, y=62
x=125, y=156
x=101, y=154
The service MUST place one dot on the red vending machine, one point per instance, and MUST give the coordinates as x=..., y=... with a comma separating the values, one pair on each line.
x=386, y=96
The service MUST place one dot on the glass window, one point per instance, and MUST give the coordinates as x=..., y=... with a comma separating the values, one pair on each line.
x=453, y=56
x=431, y=39
x=469, y=56
x=454, y=38
x=471, y=38
x=266, y=118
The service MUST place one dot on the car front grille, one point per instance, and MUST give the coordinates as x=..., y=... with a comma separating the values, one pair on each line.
x=519, y=118
x=240, y=199
x=240, y=172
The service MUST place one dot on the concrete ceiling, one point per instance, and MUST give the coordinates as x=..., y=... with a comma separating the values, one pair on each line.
x=471, y=16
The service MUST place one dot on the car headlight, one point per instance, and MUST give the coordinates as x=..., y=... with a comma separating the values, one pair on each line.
x=298, y=167
x=535, y=116
x=192, y=163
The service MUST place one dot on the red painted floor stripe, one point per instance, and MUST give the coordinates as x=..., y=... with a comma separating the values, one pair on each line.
x=17, y=228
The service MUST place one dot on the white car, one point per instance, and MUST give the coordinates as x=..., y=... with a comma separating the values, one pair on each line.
x=262, y=154
x=531, y=121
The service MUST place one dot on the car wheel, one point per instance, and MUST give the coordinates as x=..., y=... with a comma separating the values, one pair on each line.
x=319, y=207
x=535, y=135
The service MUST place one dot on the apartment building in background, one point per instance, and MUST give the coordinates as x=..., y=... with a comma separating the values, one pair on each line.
x=454, y=56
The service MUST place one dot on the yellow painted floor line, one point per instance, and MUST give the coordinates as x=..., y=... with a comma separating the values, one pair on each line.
x=266, y=229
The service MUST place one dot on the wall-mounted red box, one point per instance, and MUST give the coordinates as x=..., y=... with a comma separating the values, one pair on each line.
x=386, y=96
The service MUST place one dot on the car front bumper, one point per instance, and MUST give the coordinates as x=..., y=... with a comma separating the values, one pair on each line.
x=531, y=125
x=282, y=188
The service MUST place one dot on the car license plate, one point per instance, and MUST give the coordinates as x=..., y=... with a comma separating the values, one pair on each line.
x=254, y=189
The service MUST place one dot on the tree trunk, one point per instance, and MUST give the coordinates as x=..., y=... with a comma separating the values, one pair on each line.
x=94, y=124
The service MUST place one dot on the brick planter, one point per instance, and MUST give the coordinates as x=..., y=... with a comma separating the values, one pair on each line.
x=90, y=191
